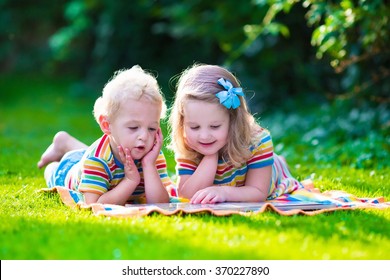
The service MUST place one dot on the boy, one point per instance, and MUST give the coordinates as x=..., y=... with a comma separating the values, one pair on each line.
x=126, y=164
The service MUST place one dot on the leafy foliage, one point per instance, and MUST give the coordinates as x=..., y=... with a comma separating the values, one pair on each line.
x=356, y=36
x=329, y=135
x=281, y=48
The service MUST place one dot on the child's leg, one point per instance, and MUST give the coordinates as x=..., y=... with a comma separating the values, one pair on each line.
x=62, y=143
x=307, y=183
x=50, y=168
x=56, y=172
x=285, y=161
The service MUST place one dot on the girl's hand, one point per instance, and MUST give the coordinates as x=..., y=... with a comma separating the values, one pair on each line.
x=151, y=156
x=209, y=195
x=131, y=171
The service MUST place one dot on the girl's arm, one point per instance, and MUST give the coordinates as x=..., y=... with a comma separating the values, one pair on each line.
x=202, y=178
x=256, y=189
x=154, y=188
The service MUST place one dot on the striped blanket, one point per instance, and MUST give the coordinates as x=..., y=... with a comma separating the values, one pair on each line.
x=302, y=201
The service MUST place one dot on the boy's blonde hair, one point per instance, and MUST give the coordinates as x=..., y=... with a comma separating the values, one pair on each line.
x=128, y=84
x=199, y=82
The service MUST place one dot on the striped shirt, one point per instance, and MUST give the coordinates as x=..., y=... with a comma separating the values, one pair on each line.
x=99, y=171
x=262, y=155
x=229, y=175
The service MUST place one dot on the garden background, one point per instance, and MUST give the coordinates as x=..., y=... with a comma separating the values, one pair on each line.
x=316, y=75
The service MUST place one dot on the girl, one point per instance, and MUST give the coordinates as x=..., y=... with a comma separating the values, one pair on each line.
x=126, y=163
x=222, y=154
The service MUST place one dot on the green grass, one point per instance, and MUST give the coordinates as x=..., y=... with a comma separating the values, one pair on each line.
x=36, y=225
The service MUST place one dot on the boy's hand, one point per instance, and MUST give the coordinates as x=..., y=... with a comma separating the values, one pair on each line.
x=151, y=156
x=131, y=171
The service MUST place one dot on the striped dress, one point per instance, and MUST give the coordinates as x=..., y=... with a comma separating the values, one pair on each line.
x=262, y=155
x=99, y=171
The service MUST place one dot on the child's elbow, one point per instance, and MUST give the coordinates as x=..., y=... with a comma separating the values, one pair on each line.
x=184, y=192
x=263, y=197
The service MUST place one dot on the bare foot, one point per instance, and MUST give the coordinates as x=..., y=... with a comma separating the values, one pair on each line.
x=55, y=151
x=62, y=143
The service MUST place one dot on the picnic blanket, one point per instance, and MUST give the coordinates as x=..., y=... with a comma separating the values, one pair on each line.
x=302, y=201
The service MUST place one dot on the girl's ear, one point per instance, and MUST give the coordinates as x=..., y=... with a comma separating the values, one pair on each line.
x=104, y=124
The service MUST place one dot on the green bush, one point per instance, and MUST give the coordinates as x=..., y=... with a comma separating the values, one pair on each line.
x=278, y=48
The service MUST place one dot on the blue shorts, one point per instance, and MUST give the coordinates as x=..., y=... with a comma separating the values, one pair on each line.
x=57, y=179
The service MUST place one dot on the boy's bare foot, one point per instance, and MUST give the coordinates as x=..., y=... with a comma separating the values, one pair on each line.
x=62, y=143
x=55, y=151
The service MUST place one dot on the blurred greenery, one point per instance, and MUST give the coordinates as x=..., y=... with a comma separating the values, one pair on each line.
x=328, y=57
x=282, y=49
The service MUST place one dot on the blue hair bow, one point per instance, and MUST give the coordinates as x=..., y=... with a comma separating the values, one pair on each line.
x=229, y=97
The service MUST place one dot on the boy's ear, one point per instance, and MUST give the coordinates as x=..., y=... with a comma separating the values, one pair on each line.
x=104, y=124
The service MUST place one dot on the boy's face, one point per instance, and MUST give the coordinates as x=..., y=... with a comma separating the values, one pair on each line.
x=135, y=126
x=206, y=126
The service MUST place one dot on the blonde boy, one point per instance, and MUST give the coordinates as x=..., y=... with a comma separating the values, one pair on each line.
x=125, y=164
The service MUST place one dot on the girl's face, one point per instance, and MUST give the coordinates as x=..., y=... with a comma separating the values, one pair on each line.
x=135, y=126
x=206, y=126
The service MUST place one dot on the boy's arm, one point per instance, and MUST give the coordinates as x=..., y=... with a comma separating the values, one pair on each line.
x=120, y=194
x=154, y=188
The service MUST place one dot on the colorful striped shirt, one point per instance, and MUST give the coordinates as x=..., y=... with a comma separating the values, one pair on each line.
x=229, y=175
x=262, y=155
x=99, y=171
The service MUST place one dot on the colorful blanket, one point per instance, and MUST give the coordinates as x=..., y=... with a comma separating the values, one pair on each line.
x=302, y=201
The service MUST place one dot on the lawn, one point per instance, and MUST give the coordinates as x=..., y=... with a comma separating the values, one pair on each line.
x=340, y=149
